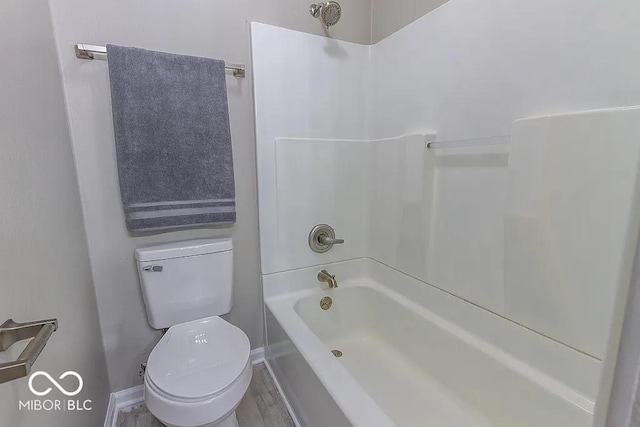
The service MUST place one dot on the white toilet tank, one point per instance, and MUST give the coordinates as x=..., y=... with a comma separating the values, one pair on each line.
x=186, y=281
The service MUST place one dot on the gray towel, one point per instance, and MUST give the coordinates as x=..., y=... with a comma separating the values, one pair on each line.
x=173, y=142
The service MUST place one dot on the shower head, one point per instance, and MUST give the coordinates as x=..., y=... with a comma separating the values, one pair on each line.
x=329, y=13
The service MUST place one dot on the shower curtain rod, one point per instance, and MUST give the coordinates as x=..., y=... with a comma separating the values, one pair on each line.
x=89, y=51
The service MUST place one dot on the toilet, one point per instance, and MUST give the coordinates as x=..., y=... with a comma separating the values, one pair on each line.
x=200, y=369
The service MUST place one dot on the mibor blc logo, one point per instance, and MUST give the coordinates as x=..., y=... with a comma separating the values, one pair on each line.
x=55, y=404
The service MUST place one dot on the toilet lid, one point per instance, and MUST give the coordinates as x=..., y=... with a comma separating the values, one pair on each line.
x=197, y=359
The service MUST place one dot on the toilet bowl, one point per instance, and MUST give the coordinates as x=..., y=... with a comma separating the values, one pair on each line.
x=200, y=369
x=197, y=374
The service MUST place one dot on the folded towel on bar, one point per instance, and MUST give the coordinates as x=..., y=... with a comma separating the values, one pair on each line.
x=173, y=140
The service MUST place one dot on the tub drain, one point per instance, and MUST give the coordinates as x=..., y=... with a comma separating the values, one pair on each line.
x=325, y=303
x=336, y=353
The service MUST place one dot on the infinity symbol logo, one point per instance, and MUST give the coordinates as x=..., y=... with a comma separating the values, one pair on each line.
x=55, y=383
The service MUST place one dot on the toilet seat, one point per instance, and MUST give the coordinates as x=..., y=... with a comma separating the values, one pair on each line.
x=198, y=372
x=198, y=359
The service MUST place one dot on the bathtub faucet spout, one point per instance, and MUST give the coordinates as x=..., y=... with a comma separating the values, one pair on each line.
x=324, y=276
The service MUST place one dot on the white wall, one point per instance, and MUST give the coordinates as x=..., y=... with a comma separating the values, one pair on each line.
x=44, y=265
x=318, y=182
x=215, y=29
x=571, y=223
x=460, y=78
x=470, y=70
x=305, y=87
x=371, y=192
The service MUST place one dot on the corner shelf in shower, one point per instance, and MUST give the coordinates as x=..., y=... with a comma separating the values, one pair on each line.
x=472, y=142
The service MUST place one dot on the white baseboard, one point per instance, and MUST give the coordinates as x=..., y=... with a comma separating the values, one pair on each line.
x=122, y=401
x=284, y=396
x=132, y=397
x=257, y=355
x=111, y=418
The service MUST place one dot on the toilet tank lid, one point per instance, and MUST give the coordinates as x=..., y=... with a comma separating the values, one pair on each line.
x=183, y=249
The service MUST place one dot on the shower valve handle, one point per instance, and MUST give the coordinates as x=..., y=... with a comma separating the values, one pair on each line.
x=327, y=240
x=322, y=238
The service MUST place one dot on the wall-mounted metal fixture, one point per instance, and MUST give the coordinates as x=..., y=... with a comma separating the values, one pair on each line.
x=328, y=12
x=12, y=332
x=322, y=238
x=90, y=51
x=330, y=279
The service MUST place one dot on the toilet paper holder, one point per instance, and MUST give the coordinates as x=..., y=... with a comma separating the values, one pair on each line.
x=12, y=332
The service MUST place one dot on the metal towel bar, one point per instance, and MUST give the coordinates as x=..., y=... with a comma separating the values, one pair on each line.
x=89, y=51
x=12, y=332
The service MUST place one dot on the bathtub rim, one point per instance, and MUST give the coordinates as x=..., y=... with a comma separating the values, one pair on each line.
x=580, y=371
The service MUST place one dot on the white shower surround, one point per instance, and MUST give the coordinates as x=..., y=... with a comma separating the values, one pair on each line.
x=311, y=87
x=358, y=187
x=465, y=70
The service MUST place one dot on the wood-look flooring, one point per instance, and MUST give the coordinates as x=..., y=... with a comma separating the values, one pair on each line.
x=262, y=406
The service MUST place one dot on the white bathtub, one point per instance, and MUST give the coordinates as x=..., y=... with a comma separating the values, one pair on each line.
x=414, y=356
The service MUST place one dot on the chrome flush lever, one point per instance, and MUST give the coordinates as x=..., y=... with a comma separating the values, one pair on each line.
x=153, y=268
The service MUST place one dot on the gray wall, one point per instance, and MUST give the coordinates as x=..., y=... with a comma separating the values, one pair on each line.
x=388, y=16
x=217, y=29
x=44, y=263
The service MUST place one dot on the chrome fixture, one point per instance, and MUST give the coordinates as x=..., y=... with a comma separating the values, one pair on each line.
x=325, y=277
x=153, y=268
x=89, y=51
x=322, y=238
x=328, y=12
x=12, y=332
x=325, y=303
